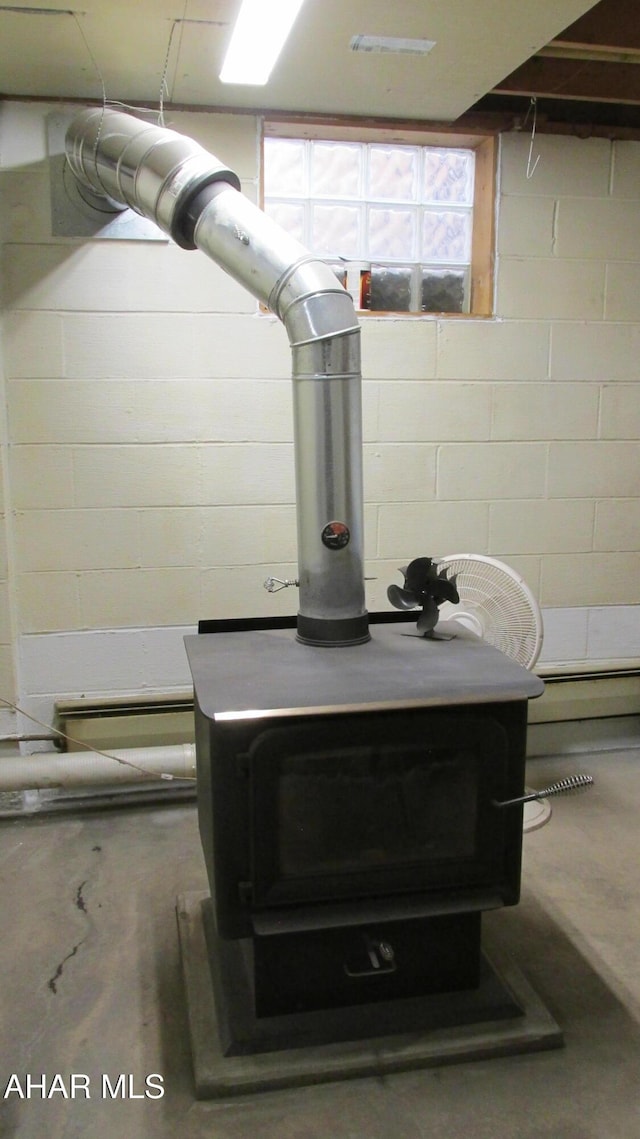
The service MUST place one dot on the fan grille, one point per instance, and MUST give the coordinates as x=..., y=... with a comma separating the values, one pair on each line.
x=500, y=601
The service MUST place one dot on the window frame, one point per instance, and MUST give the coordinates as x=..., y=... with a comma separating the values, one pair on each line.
x=485, y=145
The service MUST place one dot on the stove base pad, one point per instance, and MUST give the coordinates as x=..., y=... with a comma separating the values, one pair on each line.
x=235, y=1053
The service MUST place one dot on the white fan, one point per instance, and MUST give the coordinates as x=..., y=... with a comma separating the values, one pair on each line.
x=496, y=604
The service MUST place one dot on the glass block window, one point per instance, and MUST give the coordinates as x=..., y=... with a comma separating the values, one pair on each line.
x=405, y=211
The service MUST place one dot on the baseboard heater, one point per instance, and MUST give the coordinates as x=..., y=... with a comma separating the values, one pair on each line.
x=125, y=721
x=582, y=692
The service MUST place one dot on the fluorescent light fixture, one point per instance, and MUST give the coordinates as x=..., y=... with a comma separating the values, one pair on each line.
x=258, y=37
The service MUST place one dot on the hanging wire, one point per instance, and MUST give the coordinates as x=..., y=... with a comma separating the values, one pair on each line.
x=111, y=102
x=179, y=21
x=533, y=106
x=91, y=57
x=132, y=107
x=164, y=90
x=101, y=79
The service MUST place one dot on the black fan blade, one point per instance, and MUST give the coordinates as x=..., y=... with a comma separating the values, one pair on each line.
x=401, y=598
x=444, y=590
x=419, y=572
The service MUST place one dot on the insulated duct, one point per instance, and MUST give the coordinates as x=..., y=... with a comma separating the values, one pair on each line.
x=46, y=769
x=196, y=200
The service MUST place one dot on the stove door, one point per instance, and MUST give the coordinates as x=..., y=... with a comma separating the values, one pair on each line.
x=349, y=807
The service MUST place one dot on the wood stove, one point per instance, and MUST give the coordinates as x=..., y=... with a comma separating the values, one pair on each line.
x=346, y=802
x=346, y=781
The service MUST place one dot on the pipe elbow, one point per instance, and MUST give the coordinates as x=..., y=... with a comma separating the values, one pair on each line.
x=150, y=169
x=312, y=304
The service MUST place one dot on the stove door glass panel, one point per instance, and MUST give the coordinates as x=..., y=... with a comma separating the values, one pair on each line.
x=375, y=806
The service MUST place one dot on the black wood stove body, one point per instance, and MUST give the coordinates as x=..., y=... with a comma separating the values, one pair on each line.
x=346, y=801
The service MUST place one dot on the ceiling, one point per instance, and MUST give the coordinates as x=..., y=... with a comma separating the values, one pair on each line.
x=587, y=79
x=580, y=61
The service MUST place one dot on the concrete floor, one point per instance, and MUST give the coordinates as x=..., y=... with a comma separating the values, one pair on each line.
x=91, y=984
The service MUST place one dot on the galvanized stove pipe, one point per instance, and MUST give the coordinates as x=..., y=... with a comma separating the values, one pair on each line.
x=195, y=199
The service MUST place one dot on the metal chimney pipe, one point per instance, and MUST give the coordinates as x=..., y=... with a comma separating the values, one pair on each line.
x=195, y=199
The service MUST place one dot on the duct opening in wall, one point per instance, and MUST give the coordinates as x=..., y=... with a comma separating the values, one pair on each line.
x=196, y=200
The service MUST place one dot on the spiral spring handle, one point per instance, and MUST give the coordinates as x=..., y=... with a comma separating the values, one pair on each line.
x=562, y=787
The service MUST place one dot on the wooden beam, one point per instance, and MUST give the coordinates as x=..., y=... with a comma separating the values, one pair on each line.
x=591, y=80
x=613, y=24
x=579, y=53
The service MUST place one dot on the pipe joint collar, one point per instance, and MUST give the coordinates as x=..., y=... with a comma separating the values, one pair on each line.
x=311, y=302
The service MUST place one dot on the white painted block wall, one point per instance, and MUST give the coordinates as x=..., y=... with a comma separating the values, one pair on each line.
x=147, y=439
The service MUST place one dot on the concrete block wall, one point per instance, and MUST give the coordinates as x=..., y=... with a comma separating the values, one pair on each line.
x=147, y=447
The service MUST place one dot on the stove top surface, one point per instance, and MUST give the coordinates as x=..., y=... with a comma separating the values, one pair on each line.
x=266, y=672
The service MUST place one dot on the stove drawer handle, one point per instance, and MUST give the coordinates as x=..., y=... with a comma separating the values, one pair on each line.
x=378, y=960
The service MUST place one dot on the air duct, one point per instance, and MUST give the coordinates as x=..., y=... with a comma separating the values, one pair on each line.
x=196, y=200
x=46, y=769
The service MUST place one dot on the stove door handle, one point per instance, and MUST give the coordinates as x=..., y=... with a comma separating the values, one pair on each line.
x=562, y=787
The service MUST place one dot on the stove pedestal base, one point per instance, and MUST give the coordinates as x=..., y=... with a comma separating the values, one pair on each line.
x=236, y=1053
